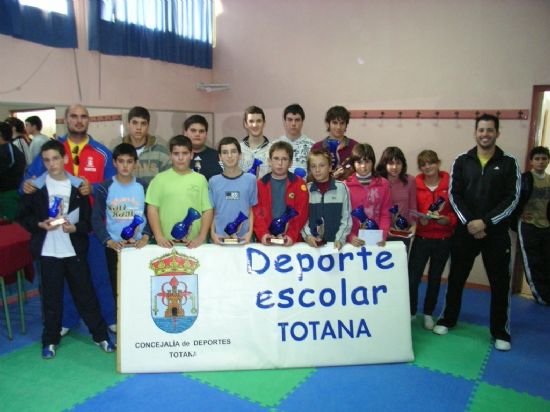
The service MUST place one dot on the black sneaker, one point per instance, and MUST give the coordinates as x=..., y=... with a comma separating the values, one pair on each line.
x=106, y=345
x=48, y=352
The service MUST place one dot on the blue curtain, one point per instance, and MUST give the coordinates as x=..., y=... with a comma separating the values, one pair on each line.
x=37, y=25
x=176, y=31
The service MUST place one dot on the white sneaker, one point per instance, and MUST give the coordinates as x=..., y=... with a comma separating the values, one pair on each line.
x=502, y=345
x=112, y=328
x=428, y=322
x=440, y=330
x=64, y=331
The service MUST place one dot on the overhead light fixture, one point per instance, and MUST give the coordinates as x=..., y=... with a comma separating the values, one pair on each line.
x=213, y=87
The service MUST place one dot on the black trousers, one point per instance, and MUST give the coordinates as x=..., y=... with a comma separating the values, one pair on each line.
x=495, y=252
x=534, y=243
x=75, y=270
x=437, y=252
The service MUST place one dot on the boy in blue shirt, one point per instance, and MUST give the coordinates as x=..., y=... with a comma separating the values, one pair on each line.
x=232, y=192
x=117, y=201
x=61, y=248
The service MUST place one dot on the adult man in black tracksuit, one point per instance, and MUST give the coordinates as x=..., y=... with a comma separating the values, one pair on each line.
x=484, y=190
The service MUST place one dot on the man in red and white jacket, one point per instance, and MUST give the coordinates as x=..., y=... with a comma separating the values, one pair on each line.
x=93, y=163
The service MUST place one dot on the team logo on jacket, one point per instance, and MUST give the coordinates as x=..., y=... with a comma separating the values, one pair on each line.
x=174, y=292
x=89, y=165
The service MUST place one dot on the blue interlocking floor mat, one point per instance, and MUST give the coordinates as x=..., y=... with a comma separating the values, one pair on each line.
x=460, y=371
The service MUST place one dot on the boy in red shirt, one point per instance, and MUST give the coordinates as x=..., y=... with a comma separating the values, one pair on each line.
x=276, y=191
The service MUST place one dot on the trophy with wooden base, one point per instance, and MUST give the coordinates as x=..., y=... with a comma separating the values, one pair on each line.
x=318, y=231
x=435, y=208
x=232, y=228
x=128, y=232
x=368, y=228
x=400, y=224
x=278, y=226
x=54, y=212
x=181, y=229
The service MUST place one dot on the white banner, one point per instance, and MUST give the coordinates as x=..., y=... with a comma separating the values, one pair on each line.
x=258, y=307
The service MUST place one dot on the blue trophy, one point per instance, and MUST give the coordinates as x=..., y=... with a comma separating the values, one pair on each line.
x=181, y=229
x=332, y=145
x=129, y=231
x=435, y=207
x=399, y=221
x=55, y=208
x=54, y=211
x=254, y=168
x=301, y=172
x=232, y=228
x=278, y=226
x=364, y=221
x=318, y=230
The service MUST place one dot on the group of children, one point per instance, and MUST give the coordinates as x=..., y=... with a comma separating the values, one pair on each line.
x=322, y=209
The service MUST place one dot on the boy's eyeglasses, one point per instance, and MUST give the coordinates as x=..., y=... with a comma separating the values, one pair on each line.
x=76, y=159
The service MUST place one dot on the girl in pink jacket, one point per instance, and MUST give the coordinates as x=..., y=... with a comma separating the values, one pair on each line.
x=369, y=190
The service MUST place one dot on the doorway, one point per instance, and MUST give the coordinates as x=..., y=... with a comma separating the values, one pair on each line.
x=539, y=135
x=47, y=116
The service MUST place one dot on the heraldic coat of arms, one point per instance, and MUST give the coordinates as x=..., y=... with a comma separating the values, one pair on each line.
x=174, y=291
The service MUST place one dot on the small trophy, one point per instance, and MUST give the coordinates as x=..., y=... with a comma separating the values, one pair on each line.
x=278, y=226
x=128, y=232
x=300, y=172
x=181, y=229
x=345, y=170
x=55, y=211
x=400, y=226
x=435, y=208
x=364, y=221
x=332, y=145
x=254, y=168
x=232, y=228
x=318, y=230
x=197, y=164
x=368, y=231
x=399, y=221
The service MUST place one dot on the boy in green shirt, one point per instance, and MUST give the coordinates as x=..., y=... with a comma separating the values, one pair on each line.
x=172, y=192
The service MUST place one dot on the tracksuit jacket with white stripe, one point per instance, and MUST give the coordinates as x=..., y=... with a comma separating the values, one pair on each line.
x=478, y=192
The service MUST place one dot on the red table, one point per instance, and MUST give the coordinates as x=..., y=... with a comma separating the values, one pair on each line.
x=15, y=252
x=15, y=258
